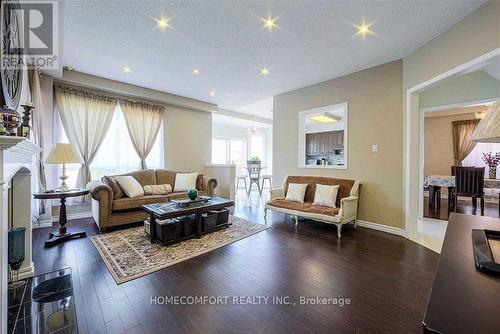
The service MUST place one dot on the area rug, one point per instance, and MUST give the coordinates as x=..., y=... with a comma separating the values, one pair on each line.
x=129, y=254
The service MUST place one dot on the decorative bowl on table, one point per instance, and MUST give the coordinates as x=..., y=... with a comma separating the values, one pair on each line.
x=10, y=120
x=192, y=194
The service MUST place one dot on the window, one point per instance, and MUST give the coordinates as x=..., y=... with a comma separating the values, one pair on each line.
x=116, y=155
x=475, y=158
x=257, y=147
x=228, y=151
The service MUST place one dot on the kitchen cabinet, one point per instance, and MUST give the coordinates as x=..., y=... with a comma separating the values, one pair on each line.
x=322, y=143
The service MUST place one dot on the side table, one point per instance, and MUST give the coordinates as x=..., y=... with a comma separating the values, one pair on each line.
x=63, y=234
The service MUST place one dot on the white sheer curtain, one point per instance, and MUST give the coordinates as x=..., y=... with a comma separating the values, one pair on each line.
x=143, y=123
x=475, y=158
x=86, y=117
x=37, y=121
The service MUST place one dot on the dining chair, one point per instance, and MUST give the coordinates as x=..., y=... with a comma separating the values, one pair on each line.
x=254, y=169
x=239, y=178
x=269, y=178
x=469, y=182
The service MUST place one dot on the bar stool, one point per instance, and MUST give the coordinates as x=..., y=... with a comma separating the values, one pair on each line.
x=241, y=177
x=269, y=178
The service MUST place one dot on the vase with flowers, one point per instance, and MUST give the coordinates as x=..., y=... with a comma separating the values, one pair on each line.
x=492, y=160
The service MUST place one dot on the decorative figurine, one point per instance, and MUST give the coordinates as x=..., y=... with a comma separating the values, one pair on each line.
x=24, y=129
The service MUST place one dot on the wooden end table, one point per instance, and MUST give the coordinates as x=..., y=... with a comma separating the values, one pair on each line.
x=63, y=234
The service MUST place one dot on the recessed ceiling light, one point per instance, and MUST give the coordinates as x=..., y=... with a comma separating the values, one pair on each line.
x=212, y=93
x=196, y=71
x=127, y=69
x=163, y=23
x=364, y=29
x=269, y=22
x=264, y=71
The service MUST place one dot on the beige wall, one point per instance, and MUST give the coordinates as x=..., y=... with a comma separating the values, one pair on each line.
x=474, y=36
x=188, y=139
x=439, y=143
x=374, y=98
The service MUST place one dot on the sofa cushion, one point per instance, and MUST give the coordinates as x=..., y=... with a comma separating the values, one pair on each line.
x=135, y=203
x=303, y=207
x=144, y=177
x=131, y=187
x=164, y=176
x=296, y=192
x=115, y=187
x=185, y=181
x=345, y=186
x=326, y=195
x=157, y=189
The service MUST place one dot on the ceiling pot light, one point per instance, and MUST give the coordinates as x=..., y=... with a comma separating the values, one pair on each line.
x=264, y=72
x=364, y=29
x=196, y=71
x=269, y=22
x=127, y=70
x=325, y=117
x=162, y=23
x=212, y=93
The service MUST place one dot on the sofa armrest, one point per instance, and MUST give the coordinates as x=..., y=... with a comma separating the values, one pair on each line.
x=348, y=209
x=209, y=185
x=277, y=194
x=102, y=193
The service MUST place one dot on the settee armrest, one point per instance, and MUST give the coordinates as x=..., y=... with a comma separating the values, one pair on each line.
x=209, y=185
x=277, y=194
x=348, y=208
x=102, y=193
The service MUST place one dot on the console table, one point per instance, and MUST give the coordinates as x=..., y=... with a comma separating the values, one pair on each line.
x=463, y=299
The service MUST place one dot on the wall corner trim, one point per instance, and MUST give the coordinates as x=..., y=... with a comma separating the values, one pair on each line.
x=382, y=228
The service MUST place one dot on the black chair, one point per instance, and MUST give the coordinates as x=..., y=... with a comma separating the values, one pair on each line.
x=469, y=182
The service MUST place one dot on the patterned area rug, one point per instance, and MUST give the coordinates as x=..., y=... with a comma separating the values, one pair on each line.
x=129, y=254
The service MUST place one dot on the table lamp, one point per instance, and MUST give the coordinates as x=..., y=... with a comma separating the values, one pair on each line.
x=63, y=154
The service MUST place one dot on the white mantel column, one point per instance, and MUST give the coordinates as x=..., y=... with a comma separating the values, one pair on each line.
x=16, y=161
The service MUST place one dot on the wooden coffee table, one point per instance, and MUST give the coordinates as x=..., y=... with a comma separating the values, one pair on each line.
x=172, y=210
x=63, y=234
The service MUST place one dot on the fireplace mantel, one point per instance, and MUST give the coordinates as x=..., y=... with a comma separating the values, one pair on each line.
x=16, y=163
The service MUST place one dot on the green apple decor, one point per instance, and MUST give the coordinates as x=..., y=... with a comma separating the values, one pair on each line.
x=192, y=194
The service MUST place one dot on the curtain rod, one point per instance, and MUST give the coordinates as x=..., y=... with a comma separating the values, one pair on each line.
x=119, y=96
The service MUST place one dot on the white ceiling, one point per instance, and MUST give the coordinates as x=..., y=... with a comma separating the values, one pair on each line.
x=225, y=40
x=224, y=120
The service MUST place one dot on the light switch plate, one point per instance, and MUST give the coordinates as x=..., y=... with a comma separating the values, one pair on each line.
x=374, y=148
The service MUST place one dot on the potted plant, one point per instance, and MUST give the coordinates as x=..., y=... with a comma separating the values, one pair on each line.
x=254, y=160
x=492, y=160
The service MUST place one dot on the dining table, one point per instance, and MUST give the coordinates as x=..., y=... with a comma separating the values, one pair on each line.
x=435, y=182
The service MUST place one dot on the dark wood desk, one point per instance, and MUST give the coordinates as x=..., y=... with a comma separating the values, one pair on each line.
x=463, y=300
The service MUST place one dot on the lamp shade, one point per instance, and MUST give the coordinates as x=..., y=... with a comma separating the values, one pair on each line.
x=63, y=154
x=488, y=129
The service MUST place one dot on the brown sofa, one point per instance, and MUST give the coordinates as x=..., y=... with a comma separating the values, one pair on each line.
x=346, y=204
x=110, y=207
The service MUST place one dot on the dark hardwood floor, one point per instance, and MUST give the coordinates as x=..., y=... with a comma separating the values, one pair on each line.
x=464, y=206
x=387, y=279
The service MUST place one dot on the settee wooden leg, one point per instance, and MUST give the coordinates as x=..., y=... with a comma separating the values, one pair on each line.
x=265, y=215
x=296, y=221
x=339, y=230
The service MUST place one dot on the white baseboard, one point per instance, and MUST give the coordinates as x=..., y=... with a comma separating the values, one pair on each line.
x=383, y=228
x=41, y=224
x=76, y=215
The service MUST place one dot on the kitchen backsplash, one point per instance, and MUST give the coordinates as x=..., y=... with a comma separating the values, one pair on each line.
x=332, y=159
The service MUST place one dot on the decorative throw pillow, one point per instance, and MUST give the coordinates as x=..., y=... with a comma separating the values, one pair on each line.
x=326, y=195
x=296, y=192
x=185, y=181
x=130, y=186
x=157, y=189
x=115, y=187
